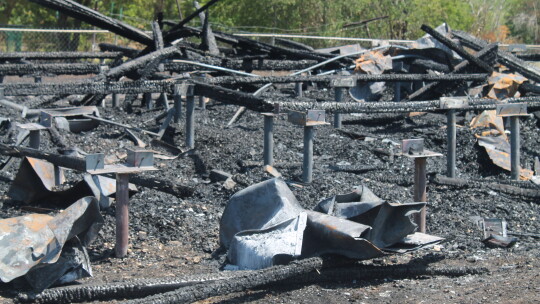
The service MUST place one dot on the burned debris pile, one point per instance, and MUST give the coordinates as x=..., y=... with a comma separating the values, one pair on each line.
x=194, y=137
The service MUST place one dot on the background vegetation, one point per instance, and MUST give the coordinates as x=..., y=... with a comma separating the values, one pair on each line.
x=510, y=21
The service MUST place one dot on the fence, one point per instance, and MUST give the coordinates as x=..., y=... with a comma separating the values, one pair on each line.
x=83, y=40
x=47, y=40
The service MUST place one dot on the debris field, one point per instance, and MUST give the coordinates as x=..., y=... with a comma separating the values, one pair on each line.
x=210, y=167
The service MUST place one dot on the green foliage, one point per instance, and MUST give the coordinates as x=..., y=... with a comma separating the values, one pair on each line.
x=402, y=18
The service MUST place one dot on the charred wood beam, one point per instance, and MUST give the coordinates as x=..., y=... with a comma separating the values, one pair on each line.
x=356, y=78
x=49, y=68
x=231, y=96
x=528, y=57
x=294, y=44
x=510, y=61
x=140, y=62
x=239, y=283
x=90, y=16
x=158, y=36
x=118, y=290
x=457, y=48
x=126, y=51
x=79, y=164
x=208, y=40
x=245, y=65
x=58, y=55
x=463, y=67
x=257, y=47
x=57, y=159
x=393, y=107
x=189, y=18
x=98, y=87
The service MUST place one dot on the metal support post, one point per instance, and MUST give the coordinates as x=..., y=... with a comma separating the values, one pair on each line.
x=338, y=116
x=202, y=104
x=298, y=89
x=190, y=122
x=177, y=97
x=420, y=191
x=451, y=143
x=268, y=145
x=122, y=214
x=514, y=148
x=148, y=101
x=414, y=148
x=164, y=100
x=397, y=91
x=513, y=111
x=307, y=167
x=115, y=101
x=34, y=139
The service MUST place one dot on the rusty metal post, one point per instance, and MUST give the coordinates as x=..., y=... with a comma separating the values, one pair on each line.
x=451, y=143
x=177, y=97
x=514, y=148
x=338, y=116
x=122, y=215
x=298, y=89
x=34, y=139
x=307, y=167
x=190, y=121
x=268, y=144
x=420, y=191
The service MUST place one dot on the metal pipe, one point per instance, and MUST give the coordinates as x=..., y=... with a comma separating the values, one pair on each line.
x=307, y=167
x=115, y=101
x=34, y=139
x=420, y=191
x=514, y=148
x=190, y=122
x=298, y=89
x=177, y=97
x=148, y=101
x=202, y=104
x=268, y=144
x=397, y=91
x=451, y=143
x=164, y=100
x=122, y=215
x=338, y=116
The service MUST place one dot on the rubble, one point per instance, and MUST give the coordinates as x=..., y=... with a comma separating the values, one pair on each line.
x=33, y=245
x=201, y=162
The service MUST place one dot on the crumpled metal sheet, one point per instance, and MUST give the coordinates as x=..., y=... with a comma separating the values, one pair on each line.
x=264, y=222
x=373, y=63
x=498, y=150
x=35, y=182
x=504, y=85
x=257, y=207
x=36, y=239
x=427, y=41
x=488, y=119
x=253, y=249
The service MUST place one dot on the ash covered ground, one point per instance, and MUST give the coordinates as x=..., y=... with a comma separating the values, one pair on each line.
x=174, y=237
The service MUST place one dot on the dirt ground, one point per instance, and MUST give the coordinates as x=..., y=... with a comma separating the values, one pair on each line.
x=176, y=237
